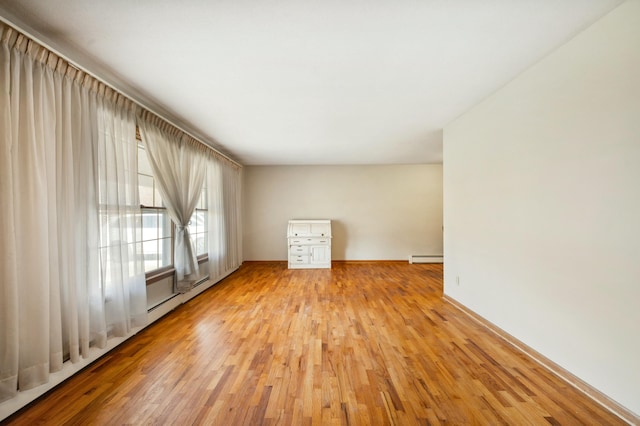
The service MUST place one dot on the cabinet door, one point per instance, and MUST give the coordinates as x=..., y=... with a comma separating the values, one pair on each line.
x=320, y=254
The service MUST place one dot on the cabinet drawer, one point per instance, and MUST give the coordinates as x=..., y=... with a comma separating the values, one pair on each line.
x=298, y=250
x=308, y=240
x=299, y=259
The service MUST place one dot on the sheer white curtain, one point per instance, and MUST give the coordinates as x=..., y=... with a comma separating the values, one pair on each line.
x=225, y=233
x=8, y=249
x=31, y=272
x=179, y=167
x=121, y=259
x=216, y=231
x=55, y=134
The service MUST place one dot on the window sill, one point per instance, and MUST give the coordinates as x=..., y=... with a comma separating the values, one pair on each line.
x=161, y=274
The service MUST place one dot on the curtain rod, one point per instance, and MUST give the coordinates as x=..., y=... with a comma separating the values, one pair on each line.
x=137, y=102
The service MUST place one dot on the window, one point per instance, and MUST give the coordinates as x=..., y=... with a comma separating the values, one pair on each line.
x=157, y=228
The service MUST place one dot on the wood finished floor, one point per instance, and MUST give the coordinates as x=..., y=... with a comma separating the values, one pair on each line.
x=362, y=344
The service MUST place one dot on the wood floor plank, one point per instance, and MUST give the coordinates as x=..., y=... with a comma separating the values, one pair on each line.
x=364, y=343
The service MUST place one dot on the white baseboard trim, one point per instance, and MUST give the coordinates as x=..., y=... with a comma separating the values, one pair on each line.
x=619, y=410
x=163, y=309
x=23, y=398
x=426, y=258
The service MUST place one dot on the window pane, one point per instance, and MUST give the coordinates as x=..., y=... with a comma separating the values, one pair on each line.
x=138, y=226
x=127, y=227
x=149, y=224
x=198, y=230
x=131, y=259
x=165, y=252
x=200, y=220
x=140, y=254
x=164, y=224
x=205, y=220
x=145, y=187
x=150, y=250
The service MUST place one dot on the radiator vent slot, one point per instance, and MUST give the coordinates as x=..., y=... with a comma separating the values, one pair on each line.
x=426, y=258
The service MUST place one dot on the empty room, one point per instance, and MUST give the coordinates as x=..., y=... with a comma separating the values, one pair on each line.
x=298, y=212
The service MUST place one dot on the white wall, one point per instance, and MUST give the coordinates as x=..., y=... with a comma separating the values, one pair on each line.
x=378, y=212
x=542, y=206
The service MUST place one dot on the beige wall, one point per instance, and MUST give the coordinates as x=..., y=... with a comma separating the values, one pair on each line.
x=542, y=206
x=378, y=212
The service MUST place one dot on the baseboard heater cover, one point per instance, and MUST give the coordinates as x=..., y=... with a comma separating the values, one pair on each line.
x=426, y=258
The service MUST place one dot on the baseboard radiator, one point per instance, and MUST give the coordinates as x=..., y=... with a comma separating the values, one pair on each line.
x=426, y=258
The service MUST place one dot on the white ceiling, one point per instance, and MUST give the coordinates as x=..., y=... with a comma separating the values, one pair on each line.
x=304, y=81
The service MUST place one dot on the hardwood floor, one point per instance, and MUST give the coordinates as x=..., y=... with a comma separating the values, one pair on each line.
x=362, y=343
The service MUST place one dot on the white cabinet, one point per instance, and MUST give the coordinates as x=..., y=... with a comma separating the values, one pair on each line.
x=309, y=244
